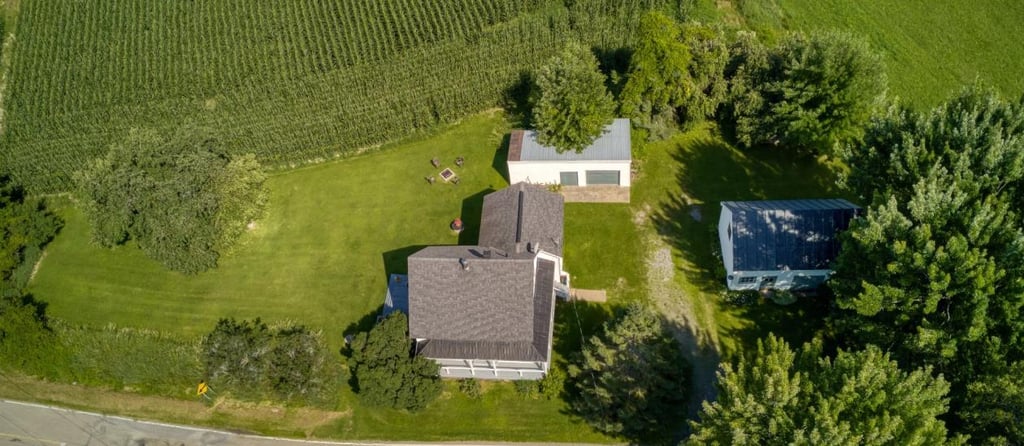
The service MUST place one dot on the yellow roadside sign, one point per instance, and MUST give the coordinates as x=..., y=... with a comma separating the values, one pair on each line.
x=202, y=389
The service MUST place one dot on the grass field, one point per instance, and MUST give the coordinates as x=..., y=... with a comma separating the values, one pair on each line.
x=930, y=48
x=294, y=82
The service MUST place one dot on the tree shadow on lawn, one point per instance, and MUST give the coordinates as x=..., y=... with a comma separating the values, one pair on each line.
x=712, y=172
x=796, y=323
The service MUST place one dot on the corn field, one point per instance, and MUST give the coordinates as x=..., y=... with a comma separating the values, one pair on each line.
x=292, y=81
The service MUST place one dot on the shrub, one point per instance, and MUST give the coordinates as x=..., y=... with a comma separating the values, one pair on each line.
x=527, y=388
x=470, y=387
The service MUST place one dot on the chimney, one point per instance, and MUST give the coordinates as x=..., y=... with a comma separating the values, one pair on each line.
x=464, y=263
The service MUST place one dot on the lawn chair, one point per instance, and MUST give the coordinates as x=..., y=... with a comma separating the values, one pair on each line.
x=455, y=180
x=436, y=162
x=459, y=161
x=430, y=179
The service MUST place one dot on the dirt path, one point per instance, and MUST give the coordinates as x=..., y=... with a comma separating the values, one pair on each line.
x=698, y=341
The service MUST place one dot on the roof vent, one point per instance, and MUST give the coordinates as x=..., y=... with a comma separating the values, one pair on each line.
x=464, y=263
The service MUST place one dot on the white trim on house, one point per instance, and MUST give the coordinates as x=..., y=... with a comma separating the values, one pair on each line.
x=777, y=280
x=491, y=369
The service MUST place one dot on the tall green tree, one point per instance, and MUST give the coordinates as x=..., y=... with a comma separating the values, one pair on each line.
x=573, y=105
x=808, y=93
x=26, y=225
x=709, y=52
x=934, y=270
x=386, y=373
x=995, y=406
x=631, y=380
x=658, y=81
x=779, y=396
x=180, y=197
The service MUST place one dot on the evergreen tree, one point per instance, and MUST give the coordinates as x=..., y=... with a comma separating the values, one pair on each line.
x=573, y=104
x=779, y=396
x=995, y=406
x=386, y=374
x=934, y=270
x=631, y=380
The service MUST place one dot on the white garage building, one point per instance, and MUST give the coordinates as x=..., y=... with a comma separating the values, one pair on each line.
x=601, y=172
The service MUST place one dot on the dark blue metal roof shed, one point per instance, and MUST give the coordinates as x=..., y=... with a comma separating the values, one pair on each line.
x=786, y=234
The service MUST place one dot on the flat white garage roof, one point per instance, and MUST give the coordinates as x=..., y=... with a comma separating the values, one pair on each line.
x=613, y=145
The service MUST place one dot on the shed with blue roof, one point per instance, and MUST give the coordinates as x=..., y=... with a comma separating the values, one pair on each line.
x=781, y=244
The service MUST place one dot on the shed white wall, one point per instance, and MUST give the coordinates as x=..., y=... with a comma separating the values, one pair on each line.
x=724, y=241
x=547, y=172
x=784, y=280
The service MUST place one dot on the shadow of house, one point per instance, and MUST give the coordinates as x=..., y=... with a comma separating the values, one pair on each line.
x=396, y=260
x=499, y=163
x=472, y=209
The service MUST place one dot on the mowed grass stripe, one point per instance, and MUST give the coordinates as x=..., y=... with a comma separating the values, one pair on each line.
x=317, y=257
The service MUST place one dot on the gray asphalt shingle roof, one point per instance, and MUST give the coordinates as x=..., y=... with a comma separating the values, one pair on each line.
x=787, y=234
x=521, y=214
x=472, y=307
x=495, y=300
x=612, y=145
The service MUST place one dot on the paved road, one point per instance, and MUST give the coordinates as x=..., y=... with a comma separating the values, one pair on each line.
x=24, y=424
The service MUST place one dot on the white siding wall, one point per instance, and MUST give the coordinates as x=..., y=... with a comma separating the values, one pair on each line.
x=723, y=239
x=784, y=280
x=547, y=172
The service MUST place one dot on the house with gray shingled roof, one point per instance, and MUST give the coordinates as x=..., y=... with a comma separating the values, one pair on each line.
x=782, y=244
x=601, y=172
x=487, y=311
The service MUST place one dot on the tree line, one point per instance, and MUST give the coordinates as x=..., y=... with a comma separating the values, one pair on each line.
x=928, y=302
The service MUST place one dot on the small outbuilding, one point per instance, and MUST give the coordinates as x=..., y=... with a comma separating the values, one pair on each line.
x=601, y=172
x=781, y=245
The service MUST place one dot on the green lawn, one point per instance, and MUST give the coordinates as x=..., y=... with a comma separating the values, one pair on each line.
x=320, y=257
x=930, y=48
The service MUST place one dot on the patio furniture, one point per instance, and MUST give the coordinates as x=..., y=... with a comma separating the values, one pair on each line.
x=436, y=162
x=459, y=161
x=455, y=180
x=430, y=179
x=447, y=174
